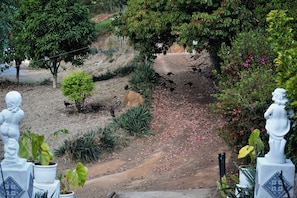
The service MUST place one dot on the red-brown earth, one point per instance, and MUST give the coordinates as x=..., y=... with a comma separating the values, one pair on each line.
x=182, y=153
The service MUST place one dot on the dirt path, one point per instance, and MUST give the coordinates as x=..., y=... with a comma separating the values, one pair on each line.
x=183, y=152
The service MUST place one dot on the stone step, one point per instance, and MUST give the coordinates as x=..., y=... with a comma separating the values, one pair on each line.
x=193, y=193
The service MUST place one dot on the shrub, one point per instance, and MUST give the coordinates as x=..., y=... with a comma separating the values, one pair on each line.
x=135, y=121
x=122, y=71
x=108, y=141
x=83, y=148
x=143, y=80
x=104, y=27
x=248, y=49
x=77, y=87
x=243, y=105
x=283, y=41
x=245, y=87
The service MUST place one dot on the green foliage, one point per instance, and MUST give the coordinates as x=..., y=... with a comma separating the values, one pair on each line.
x=106, y=76
x=223, y=187
x=105, y=27
x=135, y=121
x=291, y=148
x=121, y=71
x=105, y=6
x=245, y=87
x=41, y=194
x=248, y=49
x=254, y=149
x=56, y=29
x=34, y=147
x=8, y=8
x=283, y=42
x=149, y=22
x=77, y=87
x=84, y=148
x=143, y=79
x=73, y=178
x=108, y=140
x=230, y=189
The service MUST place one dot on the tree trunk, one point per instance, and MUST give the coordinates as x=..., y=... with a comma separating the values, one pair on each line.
x=54, y=70
x=55, y=77
x=17, y=66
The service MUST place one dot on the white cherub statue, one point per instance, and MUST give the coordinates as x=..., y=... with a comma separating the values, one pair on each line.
x=9, y=129
x=277, y=126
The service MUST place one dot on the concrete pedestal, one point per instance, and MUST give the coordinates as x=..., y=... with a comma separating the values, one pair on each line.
x=53, y=189
x=17, y=182
x=272, y=180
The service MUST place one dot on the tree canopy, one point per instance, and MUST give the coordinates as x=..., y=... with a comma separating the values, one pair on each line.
x=52, y=31
x=7, y=9
x=209, y=22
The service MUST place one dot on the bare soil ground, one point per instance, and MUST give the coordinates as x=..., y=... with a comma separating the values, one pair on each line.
x=182, y=154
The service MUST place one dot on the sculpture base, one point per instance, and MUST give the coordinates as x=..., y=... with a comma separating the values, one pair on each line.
x=274, y=180
x=17, y=181
x=52, y=190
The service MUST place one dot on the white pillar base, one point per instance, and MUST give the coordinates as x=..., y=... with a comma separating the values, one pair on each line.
x=268, y=181
x=53, y=189
x=18, y=181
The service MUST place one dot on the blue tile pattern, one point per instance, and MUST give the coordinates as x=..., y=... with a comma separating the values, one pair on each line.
x=12, y=189
x=274, y=186
x=30, y=190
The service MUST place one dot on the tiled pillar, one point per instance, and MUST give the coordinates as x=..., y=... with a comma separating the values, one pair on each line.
x=16, y=182
x=272, y=180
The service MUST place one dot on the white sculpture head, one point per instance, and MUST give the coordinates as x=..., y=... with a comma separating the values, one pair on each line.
x=279, y=96
x=13, y=101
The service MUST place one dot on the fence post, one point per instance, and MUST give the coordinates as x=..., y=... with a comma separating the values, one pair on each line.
x=222, y=165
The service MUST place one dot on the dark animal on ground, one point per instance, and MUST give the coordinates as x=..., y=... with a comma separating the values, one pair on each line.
x=111, y=110
x=67, y=104
x=189, y=83
x=171, y=81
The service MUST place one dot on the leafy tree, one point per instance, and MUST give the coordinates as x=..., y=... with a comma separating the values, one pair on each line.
x=99, y=6
x=209, y=22
x=77, y=87
x=53, y=31
x=7, y=9
x=147, y=23
x=215, y=22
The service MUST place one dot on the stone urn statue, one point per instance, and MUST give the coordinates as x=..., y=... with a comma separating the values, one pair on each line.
x=277, y=126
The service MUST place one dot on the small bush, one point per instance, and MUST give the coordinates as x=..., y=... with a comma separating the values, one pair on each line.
x=122, y=71
x=143, y=80
x=104, y=27
x=245, y=87
x=135, y=121
x=77, y=87
x=84, y=148
x=108, y=141
x=247, y=50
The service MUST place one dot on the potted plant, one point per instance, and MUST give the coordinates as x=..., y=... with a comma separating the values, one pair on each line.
x=246, y=181
x=34, y=148
x=247, y=173
x=72, y=179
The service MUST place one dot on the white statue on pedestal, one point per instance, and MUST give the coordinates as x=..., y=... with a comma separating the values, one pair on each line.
x=277, y=126
x=9, y=129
